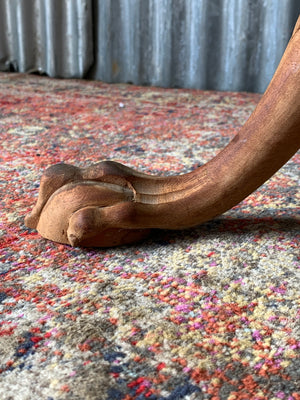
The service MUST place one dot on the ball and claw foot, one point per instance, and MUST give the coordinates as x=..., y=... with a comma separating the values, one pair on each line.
x=72, y=205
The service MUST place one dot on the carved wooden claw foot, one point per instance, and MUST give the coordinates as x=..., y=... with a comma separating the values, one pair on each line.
x=72, y=204
x=109, y=204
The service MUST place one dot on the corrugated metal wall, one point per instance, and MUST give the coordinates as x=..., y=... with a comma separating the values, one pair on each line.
x=209, y=44
x=47, y=36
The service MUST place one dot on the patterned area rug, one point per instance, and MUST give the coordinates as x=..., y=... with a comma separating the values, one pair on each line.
x=206, y=313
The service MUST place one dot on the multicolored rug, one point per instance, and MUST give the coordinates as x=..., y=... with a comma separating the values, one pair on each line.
x=206, y=313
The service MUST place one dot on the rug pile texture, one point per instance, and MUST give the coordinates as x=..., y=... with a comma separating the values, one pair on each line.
x=205, y=313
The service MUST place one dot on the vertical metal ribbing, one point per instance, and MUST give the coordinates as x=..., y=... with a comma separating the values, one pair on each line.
x=233, y=44
x=160, y=18
x=8, y=43
x=85, y=46
x=195, y=43
x=274, y=39
x=102, y=68
x=208, y=44
x=48, y=36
